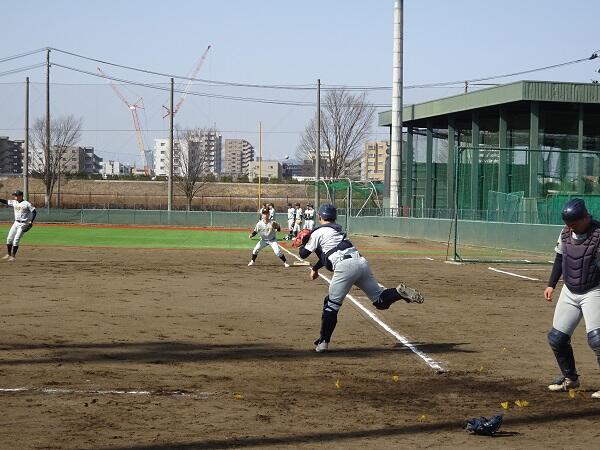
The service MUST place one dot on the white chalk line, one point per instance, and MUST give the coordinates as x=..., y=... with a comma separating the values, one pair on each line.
x=513, y=274
x=404, y=341
x=63, y=391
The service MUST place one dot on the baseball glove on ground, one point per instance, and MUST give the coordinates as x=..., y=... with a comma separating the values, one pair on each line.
x=301, y=239
x=484, y=426
x=25, y=228
x=276, y=226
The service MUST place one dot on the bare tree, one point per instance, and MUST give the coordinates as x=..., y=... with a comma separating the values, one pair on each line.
x=191, y=151
x=65, y=132
x=346, y=120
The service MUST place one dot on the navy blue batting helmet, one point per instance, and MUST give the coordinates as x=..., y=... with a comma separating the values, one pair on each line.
x=574, y=210
x=17, y=193
x=327, y=212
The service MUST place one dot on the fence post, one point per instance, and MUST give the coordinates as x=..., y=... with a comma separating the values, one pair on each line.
x=81, y=216
x=211, y=218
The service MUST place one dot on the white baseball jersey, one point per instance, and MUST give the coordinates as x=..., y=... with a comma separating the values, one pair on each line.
x=265, y=230
x=271, y=213
x=309, y=214
x=22, y=210
x=299, y=214
x=291, y=213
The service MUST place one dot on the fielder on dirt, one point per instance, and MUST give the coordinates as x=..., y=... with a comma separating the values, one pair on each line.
x=337, y=254
x=24, y=216
x=268, y=237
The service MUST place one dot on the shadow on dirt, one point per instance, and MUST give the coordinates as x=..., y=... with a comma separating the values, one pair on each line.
x=181, y=352
x=339, y=437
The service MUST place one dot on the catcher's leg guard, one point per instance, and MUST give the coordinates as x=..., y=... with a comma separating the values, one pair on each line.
x=560, y=343
x=328, y=321
x=9, y=249
x=386, y=298
x=594, y=342
x=14, y=250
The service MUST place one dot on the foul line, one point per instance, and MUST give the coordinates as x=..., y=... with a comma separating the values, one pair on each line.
x=58, y=391
x=404, y=341
x=513, y=274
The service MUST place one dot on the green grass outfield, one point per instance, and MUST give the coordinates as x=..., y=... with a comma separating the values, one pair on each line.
x=154, y=237
x=134, y=237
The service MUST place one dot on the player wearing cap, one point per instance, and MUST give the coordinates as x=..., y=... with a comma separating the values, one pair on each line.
x=578, y=261
x=338, y=254
x=24, y=216
x=268, y=237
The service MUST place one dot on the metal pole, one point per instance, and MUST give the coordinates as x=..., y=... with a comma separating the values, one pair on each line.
x=171, y=145
x=318, y=150
x=396, y=150
x=259, y=163
x=26, y=144
x=47, y=173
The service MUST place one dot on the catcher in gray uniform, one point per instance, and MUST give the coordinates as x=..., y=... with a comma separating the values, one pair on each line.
x=336, y=253
x=578, y=261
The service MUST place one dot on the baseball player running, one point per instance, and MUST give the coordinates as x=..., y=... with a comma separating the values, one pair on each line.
x=24, y=216
x=578, y=261
x=268, y=236
x=336, y=253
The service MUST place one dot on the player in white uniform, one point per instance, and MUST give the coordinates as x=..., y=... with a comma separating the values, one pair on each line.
x=291, y=217
x=298, y=219
x=24, y=216
x=268, y=236
x=338, y=254
x=271, y=212
x=309, y=217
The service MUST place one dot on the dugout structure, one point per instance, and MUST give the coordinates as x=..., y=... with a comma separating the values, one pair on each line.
x=509, y=154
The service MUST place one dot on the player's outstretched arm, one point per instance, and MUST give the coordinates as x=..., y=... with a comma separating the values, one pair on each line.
x=5, y=202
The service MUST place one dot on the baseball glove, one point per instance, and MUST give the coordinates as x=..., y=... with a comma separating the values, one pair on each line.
x=25, y=228
x=276, y=226
x=301, y=239
x=483, y=426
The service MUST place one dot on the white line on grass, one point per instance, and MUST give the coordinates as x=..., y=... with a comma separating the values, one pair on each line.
x=513, y=274
x=404, y=341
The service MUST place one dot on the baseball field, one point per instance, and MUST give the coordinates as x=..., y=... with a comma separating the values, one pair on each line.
x=131, y=338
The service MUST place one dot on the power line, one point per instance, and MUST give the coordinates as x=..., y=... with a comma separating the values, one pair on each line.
x=22, y=55
x=21, y=69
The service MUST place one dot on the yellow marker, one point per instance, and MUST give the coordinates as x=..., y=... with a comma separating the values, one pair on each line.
x=572, y=393
x=504, y=405
x=481, y=369
x=338, y=384
x=522, y=403
x=238, y=396
x=504, y=349
x=396, y=378
x=423, y=418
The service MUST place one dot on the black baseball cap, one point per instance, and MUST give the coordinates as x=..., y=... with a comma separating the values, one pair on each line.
x=17, y=193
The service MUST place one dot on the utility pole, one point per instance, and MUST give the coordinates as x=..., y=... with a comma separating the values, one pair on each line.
x=171, y=145
x=396, y=148
x=259, y=164
x=26, y=144
x=318, y=150
x=47, y=173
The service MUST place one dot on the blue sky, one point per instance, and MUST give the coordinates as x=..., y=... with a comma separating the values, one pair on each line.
x=275, y=42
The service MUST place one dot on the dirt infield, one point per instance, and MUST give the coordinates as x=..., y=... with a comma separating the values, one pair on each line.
x=180, y=349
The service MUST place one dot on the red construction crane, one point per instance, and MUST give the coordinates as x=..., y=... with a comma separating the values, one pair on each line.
x=189, y=84
x=133, y=107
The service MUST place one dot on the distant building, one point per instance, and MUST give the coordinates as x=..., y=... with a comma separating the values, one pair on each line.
x=114, y=168
x=73, y=160
x=237, y=155
x=375, y=154
x=11, y=156
x=208, y=142
x=270, y=169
